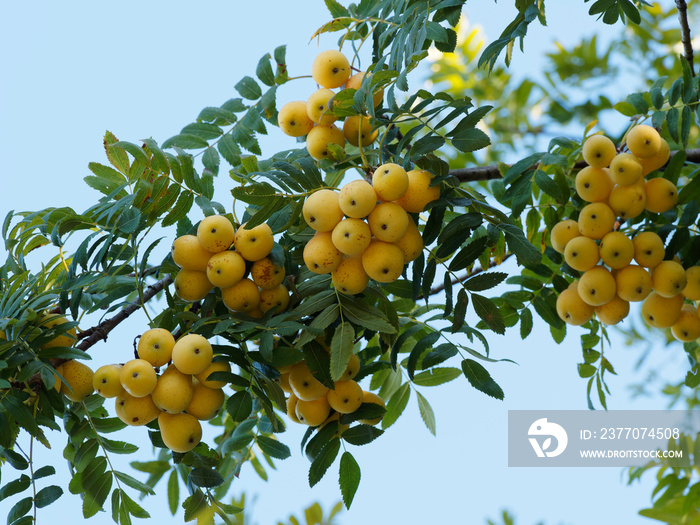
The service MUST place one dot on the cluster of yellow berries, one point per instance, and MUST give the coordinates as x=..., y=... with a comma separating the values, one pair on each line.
x=312, y=403
x=315, y=118
x=179, y=398
x=617, y=269
x=206, y=261
x=365, y=231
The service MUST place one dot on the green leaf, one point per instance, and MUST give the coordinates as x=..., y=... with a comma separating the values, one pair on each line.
x=47, y=496
x=423, y=345
x=15, y=487
x=264, y=71
x=186, y=141
x=426, y=413
x=362, y=434
x=366, y=316
x=96, y=492
x=348, y=476
x=484, y=281
x=427, y=144
x=205, y=477
x=194, y=505
x=487, y=310
x=19, y=509
x=173, y=492
x=469, y=254
x=239, y=405
x=248, y=88
x=524, y=251
x=525, y=323
x=133, y=483
x=471, y=139
x=341, y=349
x=273, y=448
x=396, y=405
x=436, y=376
x=480, y=379
x=337, y=11
x=132, y=507
x=323, y=461
x=229, y=150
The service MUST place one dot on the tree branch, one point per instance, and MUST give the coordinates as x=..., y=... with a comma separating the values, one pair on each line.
x=685, y=33
x=491, y=172
x=99, y=333
x=457, y=280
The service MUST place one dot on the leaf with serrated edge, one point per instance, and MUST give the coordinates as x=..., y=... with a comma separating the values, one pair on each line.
x=348, y=477
x=325, y=459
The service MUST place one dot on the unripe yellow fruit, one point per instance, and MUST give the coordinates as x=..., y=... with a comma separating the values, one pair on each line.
x=633, y=283
x=357, y=199
x=571, y=308
x=138, y=377
x=390, y=181
x=648, y=249
x=192, y=354
x=687, y=328
x=156, y=346
x=350, y=276
x=173, y=392
x=320, y=254
x=355, y=81
x=313, y=413
x=595, y=220
x=189, y=254
x=330, y=69
x=352, y=369
x=668, y=278
x=319, y=109
x=191, y=285
x=266, y=274
x=77, y=384
x=254, y=243
x=244, y=296
x=627, y=202
x=206, y=402
x=135, y=411
x=657, y=161
x=419, y=193
x=662, y=312
x=661, y=195
x=215, y=366
x=625, y=169
x=304, y=385
x=352, y=236
x=225, y=268
x=411, y=244
x=383, y=261
x=283, y=382
x=582, y=253
x=292, y=401
x=294, y=120
x=388, y=222
x=643, y=141
x=562, y=233
x=613, y=311
x=598, y=151
x=597, y=286
x=616, y=250
x=593, y=184
x=321, y=210
x=345, y=397
x=319, y=138
x=180, y=432
x=357, y=130
x=105, y=381
x=692, y=288
x=371, y=397
x=277, y=298
x=66, y=339
x=215, y=233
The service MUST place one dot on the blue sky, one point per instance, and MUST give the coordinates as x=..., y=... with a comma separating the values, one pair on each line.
x=145, y=69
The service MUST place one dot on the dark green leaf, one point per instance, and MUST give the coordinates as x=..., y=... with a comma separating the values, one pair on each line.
x=273, y=448
x=205, y=477
x=436, y=376
x=239, y=405
x=487, y=310
x=47, y=496
x=396, y=405
x=480, y=379
x=349, y=476
x=248, y=88
x=323, y=461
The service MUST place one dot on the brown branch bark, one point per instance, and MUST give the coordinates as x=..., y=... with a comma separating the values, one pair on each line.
x=686, y=39
x=491, y=172
x=99, y=333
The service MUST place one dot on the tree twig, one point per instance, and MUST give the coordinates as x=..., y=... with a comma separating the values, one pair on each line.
x=685, y=33
x=99, y=333
x=456, y=280
x=491, y=172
